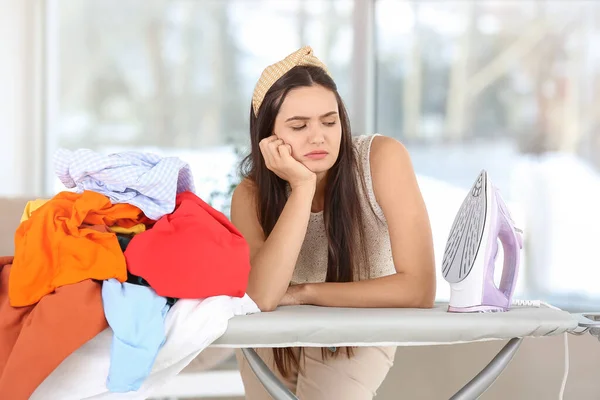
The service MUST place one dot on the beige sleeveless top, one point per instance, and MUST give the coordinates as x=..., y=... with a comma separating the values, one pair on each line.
x=311, y=266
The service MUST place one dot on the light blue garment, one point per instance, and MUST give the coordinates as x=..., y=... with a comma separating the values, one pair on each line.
x=136, y=315
x=145, y=180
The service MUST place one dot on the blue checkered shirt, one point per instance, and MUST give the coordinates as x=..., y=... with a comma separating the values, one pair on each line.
x=145, y=180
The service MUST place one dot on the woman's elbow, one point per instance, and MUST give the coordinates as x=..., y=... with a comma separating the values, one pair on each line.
x=266, y=306
x=428, y=299
x=426, y=296
x=264, y=302
x=424, y=301
x=427, y=302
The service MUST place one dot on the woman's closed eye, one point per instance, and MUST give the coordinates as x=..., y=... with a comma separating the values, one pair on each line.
x=300, y=127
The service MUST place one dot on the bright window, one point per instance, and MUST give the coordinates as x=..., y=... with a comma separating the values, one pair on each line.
x=510, y=87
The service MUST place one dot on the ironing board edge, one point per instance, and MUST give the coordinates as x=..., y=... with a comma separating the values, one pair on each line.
x=309, y=326
x=382, y=343
x=348, y=344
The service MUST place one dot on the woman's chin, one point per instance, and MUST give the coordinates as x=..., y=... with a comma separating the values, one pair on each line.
x=318, y=169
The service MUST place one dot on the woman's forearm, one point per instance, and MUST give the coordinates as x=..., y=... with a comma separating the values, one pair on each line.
x=398, y=290
x=273, y=265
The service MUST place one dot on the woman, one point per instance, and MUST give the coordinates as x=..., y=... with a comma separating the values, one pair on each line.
x=331, y=220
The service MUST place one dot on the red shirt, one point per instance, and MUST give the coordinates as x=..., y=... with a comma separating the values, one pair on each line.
x=194, y=252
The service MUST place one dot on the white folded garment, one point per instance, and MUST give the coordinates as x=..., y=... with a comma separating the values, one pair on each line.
x=191, y=326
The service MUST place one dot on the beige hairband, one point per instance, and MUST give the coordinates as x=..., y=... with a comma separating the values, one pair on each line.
x=303, y=56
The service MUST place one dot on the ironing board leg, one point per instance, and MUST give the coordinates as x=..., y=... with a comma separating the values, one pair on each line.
x=271, y=383
x=483, y=380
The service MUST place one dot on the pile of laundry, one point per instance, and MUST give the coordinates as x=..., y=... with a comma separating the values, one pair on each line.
x=117, y=284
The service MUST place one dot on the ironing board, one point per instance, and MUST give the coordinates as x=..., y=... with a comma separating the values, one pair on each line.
x=310, y=326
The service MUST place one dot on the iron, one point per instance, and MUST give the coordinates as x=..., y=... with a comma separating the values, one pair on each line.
x=469, y=259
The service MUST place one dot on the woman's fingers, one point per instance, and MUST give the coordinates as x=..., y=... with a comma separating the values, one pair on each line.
x=269, y=148
x=285, y=150
x=273, y=147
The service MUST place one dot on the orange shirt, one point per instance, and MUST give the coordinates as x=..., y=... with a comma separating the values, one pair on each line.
x=52, y=249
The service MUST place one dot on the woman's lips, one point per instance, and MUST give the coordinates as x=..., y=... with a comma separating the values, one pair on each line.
x=316, y=155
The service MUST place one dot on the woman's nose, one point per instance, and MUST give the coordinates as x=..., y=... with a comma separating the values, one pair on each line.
x=316, y=135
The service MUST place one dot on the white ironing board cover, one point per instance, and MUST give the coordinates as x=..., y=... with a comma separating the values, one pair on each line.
x=190, y=327
x=310, y=326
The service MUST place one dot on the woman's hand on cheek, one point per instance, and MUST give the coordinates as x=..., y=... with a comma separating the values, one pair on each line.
x=278, y=158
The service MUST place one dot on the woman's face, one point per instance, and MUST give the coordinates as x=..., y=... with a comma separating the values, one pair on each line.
x=308, y=121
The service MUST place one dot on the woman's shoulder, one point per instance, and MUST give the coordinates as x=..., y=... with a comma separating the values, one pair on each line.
x=383, y=160
x=375, y=141
x=389, y=160
x=377, y=146
x=385, y=156
x=360, y=141
x=362, y=147
x=385, y=148
x=244, y=192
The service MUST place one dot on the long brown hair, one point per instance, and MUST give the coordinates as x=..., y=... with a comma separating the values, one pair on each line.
x=343, y=218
